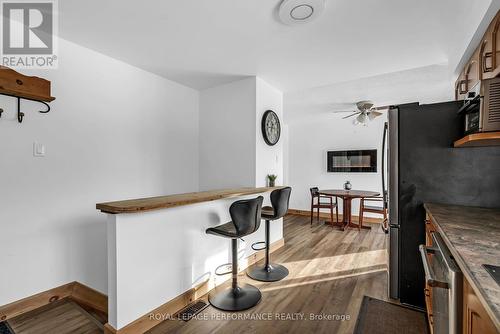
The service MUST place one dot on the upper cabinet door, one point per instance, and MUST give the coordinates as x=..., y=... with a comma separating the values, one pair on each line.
x=461, y=86
x=495, y=37
x=486, y=55
x=473, y=71
x=470, y=76
x=484, y=63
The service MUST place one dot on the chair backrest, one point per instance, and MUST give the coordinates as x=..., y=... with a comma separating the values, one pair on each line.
x=245, y=215
x=314, y=191
x=279, y=201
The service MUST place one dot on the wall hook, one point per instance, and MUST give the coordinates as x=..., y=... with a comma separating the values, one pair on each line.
x=44, y=111
x=20, y=115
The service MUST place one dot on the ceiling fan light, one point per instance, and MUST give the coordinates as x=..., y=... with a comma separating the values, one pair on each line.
x=362, y=118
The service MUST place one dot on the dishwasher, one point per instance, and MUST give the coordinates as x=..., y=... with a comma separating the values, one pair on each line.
x=444, y=277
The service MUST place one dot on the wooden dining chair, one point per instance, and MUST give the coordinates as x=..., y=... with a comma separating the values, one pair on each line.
x=327, y=203
x=373, y=208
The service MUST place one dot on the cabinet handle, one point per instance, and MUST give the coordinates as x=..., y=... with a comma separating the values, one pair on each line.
x=486, y=56
x=462, y=87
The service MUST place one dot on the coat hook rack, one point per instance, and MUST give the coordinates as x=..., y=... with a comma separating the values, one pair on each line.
x=17, y=85
x=20, y=114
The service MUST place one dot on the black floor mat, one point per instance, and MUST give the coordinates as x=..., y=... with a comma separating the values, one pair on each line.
x=5, y=328
x=380, y=317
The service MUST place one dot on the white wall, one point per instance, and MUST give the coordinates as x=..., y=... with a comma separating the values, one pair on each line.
x=114, y=132
x=310, y=139
x=269, y=159
x=233, y=152
x=227, y=135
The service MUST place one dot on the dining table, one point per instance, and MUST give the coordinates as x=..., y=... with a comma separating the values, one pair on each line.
x=347, y=196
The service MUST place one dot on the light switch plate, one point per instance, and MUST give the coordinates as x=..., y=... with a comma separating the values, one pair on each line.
x=38, y=150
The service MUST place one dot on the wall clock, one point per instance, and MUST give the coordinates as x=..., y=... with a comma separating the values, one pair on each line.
x=271, y=128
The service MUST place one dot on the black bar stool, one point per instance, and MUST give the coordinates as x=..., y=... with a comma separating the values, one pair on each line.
x=245, y=216
x=272, y=272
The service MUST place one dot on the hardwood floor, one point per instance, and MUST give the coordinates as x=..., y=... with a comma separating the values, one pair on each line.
x=61, y=317
x=330, y=272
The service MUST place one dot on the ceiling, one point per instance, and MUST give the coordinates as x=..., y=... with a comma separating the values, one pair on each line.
x=425, y=85
x=203, y=43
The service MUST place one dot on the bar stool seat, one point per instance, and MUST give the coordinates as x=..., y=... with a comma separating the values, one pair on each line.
x=267, y=212
x=272, y=272
x=245, y=220
x=227, y=230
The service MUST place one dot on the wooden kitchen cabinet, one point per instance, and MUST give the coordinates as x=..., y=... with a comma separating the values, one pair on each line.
x=473, y=71
x=461, y=86
x=475, y=318
x=429, y=228
x=495, y=38
x=486, y=55
x=484, y=63
x=489, y=55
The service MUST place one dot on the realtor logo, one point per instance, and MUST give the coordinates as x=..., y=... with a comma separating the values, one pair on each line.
x=28, y=34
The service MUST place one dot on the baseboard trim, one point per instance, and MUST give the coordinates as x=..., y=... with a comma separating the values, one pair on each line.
x=325, y=215
x=90, y=297
x=146, y=322
x=74, y=290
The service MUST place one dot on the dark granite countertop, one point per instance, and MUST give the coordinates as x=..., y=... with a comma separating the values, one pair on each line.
x=473, y=236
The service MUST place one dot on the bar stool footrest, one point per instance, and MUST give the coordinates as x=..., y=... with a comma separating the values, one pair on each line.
x=255, y=246
x=227, y=265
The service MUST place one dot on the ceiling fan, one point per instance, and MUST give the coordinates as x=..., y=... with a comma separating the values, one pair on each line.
x=366, y=112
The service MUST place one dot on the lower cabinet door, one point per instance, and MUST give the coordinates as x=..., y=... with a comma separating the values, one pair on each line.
x=476, y=320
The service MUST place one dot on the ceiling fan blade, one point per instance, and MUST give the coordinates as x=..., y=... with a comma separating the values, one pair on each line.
x=384, y=108
x=339, y=111
x=373, y=114
x=356, y=113
x=342, y=106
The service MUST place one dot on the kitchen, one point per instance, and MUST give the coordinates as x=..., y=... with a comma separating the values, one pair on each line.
x=124, y=163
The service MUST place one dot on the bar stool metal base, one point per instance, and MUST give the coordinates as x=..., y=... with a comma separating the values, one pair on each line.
x=239, y=299
x=273, y=273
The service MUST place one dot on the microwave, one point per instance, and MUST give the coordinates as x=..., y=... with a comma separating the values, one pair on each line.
x=481, y=107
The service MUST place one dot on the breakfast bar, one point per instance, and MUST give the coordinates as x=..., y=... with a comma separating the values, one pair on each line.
x=158, y=250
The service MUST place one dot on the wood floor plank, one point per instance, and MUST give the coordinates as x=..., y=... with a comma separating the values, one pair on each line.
x=61, y=317
x=330, y=272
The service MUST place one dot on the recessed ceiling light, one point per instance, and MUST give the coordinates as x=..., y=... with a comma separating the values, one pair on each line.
x=300, y=11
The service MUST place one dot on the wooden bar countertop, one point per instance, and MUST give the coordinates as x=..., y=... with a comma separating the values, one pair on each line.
x=163, y=202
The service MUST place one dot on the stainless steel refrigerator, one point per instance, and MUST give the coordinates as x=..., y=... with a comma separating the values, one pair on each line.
x=423, y=166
